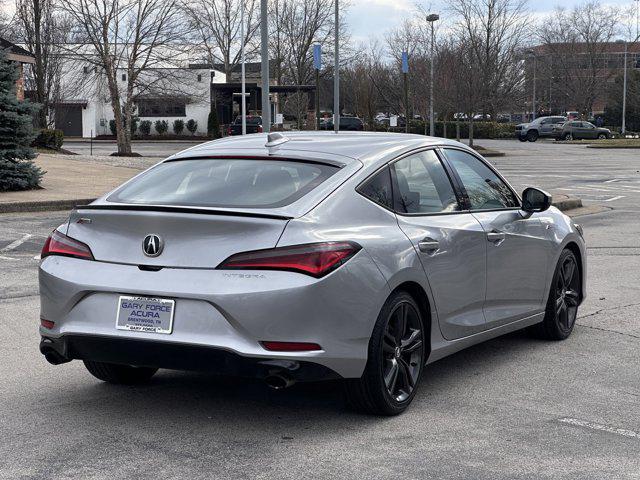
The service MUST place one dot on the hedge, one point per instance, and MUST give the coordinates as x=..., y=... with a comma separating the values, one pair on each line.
x=481, y=130
x=51, y=139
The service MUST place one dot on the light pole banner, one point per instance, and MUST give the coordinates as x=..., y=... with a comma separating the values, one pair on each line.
x=405, y=62
x=317, y=57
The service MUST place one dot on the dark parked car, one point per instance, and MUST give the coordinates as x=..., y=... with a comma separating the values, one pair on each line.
x=346, y=123
x=576, y=129
x=540, y=127
x=254, y=125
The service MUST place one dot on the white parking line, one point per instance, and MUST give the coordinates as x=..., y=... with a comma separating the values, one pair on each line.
x=16, y=244
x=612, y=180
x=597, y=426
x=8, y=258
x=614, y=198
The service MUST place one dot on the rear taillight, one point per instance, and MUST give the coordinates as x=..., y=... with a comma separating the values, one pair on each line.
x=229, y=131
x=291, y=346
x=60, y=244
x=315, y=259
x=260, y=129
x=48, y=324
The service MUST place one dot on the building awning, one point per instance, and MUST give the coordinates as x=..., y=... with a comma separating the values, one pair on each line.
x=72, y=103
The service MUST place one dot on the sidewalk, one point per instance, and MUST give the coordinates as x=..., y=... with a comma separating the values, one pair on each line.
x=67, y=183
x=78, y=179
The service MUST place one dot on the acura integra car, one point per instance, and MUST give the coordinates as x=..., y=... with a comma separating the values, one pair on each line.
x=305, y=257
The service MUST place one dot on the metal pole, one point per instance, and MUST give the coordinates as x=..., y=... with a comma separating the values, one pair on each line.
x=244, y=103
x=533, y=101
x=406, y=103
x=624, y=91
x=432, y=126
x=317, y=99
x=264, y=33
x=336, y=74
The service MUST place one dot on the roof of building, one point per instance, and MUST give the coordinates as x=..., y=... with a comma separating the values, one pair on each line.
x=343, y=147
x=16, y=52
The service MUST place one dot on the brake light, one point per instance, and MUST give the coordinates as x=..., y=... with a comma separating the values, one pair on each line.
x=229, y=130
x=290, y=346
x=260, y=129
x=315, y=259
x=60, y=244
x=48, y=324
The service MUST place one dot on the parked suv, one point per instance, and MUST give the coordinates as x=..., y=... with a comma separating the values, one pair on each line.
x=346, y=123
x=576, y=130
x=254, y=125
x=540, y=127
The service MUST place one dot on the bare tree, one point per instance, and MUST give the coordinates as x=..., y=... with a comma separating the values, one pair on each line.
x=575, y=44
x=216, y=26
x=126, y=40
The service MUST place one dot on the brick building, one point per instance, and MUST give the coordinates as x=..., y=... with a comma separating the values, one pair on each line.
x=21, y=57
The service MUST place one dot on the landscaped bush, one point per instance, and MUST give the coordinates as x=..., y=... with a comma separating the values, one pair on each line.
x=145, y=127
x=192, y=126
x=161, y=126
x=481, y=129
x=213, y=125
x=178, y=126
x=48, y=138
x=112, y=127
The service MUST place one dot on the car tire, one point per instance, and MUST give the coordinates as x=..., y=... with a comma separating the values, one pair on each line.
x=119, y=374
x=564, y=297
x=391, y=377
x=603, y=136
x=532, y=136
x=568, y=137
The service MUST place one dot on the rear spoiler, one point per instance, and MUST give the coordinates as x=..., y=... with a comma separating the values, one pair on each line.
x=177, y=209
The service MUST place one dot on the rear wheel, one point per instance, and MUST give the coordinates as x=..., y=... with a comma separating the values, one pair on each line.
x=395, y=361
x=568, y=136
x=119, y=374
x=532, y=136
x=564, y=297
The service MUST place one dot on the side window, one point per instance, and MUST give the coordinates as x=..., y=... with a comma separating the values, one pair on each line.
x=484, y=188
x=378, y=189
x=423, y=185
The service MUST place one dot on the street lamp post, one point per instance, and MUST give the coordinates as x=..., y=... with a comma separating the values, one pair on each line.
x=242, y=73
x=624, y=88
x=533, y=98
x=264, y=34
x=431, y=18
x=336, y=73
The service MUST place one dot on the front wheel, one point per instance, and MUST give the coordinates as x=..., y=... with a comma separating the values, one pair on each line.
x=395, y=361
x=119, y=374
x=568, y=136
x=532, y=136
x=564, y=298
x=602, y=136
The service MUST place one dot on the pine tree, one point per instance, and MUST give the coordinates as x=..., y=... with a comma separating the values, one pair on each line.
x=17, y=170
x=213, y=126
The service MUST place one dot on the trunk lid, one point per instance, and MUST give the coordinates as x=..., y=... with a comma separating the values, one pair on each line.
x=191, y=238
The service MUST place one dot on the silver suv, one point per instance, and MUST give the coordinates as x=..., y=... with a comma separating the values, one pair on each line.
x=540, y=127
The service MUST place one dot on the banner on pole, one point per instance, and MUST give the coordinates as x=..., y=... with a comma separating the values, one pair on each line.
x=405, y=62
x=317, y=56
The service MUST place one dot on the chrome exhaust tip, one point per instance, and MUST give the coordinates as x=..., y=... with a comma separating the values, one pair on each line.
x=279, y=382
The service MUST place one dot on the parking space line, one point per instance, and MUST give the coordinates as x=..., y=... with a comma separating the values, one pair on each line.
x=16, y=244
x=597, y=426
x=614, y=198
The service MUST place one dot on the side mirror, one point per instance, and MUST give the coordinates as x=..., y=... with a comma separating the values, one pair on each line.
x=535, y=200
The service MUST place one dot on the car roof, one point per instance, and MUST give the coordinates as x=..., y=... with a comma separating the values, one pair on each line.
x=344, y=147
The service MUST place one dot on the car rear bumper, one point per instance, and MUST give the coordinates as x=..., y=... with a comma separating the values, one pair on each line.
x=177, y=356
x=229, y=311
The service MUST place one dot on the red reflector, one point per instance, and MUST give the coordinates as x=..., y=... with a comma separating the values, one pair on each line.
x=60, y=244
x=315, y=259
x=47, y=323
x=291, y=346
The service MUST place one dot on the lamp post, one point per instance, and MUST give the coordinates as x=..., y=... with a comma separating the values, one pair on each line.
x=533, y=98
x=336, y=73
x=431, y=18
x=624, y=89
x=242, y=72
x=264, y=34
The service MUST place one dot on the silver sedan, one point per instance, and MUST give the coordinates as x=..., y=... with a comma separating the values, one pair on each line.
x=304, y=257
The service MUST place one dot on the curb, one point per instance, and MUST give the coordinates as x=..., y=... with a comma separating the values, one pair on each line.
x=43, y=206
x=568, y=203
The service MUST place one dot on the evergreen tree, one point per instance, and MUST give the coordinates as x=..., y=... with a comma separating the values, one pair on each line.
x=213, y=126
x=17, y=170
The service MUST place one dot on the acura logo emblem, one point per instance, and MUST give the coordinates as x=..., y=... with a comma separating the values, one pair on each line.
x=152, y=245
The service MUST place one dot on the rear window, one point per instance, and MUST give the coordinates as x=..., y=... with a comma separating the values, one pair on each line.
x=229, y=183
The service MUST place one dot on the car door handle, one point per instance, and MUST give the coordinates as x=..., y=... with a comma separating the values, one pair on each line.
x=428, y=245
x=496, y=237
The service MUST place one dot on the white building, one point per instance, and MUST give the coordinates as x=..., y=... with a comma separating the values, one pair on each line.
x=170, y=91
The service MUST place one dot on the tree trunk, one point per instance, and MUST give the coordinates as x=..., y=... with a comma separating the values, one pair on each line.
x=471, y=130
x=457, y=129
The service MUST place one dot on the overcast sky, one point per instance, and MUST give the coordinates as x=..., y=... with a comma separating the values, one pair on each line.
x=371, y=18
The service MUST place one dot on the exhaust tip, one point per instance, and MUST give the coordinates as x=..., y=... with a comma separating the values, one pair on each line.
x=278, y=382
x=54, y=358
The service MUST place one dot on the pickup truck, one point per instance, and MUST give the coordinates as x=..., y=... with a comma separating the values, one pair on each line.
x=254, y=125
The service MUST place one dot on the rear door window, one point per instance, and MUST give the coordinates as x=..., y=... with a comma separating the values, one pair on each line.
x=233, y=183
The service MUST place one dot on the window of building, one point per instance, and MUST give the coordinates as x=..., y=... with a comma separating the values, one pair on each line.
x=199, y=77
x=162, y=107
x=124, y=77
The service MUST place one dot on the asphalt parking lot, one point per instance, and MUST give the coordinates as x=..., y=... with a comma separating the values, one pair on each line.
x=513, y=407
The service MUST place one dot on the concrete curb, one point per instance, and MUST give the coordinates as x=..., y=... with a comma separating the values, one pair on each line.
x=563, y=203
x=43, y=206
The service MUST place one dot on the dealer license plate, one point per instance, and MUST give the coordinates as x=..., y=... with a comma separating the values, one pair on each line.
x=145, y=314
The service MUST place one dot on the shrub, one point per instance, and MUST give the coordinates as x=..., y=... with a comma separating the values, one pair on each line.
x=17, y=171
x=178, y=126
x=145, y=127
x=192, y=126
x=112, y=127
x=213, y=125
x=134, y=125
x=161, y=126
x=48, y=138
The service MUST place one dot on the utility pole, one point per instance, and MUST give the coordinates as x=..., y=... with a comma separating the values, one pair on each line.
x=264, y=34
x=624, y=91
x=317, y=63
x=533, y=99
x=405, y=72
x=336, y=73
x=244, y=103
x=432, y=124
